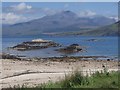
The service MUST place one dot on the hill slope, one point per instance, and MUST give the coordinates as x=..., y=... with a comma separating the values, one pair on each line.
x=65, y=21
x=110, y=30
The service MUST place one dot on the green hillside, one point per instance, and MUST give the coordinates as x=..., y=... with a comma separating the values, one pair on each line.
x=109, y=30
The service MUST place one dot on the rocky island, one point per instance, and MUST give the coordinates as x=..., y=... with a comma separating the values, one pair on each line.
x=70, y=49
x=35, y=44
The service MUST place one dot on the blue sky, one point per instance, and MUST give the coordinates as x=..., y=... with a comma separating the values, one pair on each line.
x=25, y=11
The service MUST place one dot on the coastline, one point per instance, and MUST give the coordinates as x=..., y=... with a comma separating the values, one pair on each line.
x=35, y=71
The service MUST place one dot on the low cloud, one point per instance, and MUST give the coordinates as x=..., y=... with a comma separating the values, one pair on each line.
x=21, y=7
x=87, y=13
x=24, y=8
x=23, y=13
x=114, y=17
x=11, y=18
x=47, y=11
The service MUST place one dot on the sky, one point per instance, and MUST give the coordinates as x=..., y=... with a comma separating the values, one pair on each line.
x=60, y=0
x=16, y=12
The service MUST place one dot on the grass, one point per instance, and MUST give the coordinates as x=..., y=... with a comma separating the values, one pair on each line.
x=77, y=80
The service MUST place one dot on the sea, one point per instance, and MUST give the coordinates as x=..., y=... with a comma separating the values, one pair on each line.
x=102, y=46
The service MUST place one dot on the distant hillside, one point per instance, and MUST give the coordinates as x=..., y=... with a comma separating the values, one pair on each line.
x=109, y=30
x=66, y=21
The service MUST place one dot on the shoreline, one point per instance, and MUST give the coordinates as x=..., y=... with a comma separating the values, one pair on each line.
x=95, y=57
x=42, y=70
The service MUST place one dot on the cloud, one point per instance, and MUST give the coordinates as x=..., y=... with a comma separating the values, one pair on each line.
x=114, y=17
x=47, y=11
x=86, y=13
x=28, y=10
x=11, y=18
x=21, y=7
x=22, y=13
x=16, y=13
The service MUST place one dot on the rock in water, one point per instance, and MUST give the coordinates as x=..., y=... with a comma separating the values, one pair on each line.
x=35, y=44
x=70, y=49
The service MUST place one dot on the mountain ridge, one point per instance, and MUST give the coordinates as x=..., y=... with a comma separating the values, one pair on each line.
x=109, y=30
x=60, y=22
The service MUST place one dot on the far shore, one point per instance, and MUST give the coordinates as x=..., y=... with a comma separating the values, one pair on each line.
x=32, y=72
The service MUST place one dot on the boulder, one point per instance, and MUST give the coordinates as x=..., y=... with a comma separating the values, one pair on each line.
x=70, y=49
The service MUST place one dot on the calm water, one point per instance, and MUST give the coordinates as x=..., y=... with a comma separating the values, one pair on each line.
x=106, y=46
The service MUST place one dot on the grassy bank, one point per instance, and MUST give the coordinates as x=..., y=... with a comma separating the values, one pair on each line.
x=77, y=80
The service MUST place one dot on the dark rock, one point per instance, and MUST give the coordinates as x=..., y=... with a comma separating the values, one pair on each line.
x=70, y=49
x=108, y=59
x=8, y=56
x=35, y=45
x=92, y=40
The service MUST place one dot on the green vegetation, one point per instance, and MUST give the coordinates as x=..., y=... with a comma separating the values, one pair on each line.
x=109, y=30
x=77, y=80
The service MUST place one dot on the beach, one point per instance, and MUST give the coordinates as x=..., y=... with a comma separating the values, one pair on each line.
x=30, y=64
x=34, y=72
x=59, y=45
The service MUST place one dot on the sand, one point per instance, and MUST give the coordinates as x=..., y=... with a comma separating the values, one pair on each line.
x=33, y=73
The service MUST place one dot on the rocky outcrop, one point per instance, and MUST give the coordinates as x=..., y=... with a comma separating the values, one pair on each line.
x=8, y=56
x=35, y=44
x=70, y=49
x=93, y=40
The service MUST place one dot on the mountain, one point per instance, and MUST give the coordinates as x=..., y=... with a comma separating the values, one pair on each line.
x=64, y=21
x=110, y=30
